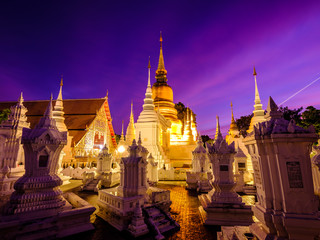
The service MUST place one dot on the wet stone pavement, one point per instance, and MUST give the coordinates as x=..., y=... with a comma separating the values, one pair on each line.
x=184, y=209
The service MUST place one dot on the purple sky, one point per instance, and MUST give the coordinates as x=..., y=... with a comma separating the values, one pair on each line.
x=210, y=48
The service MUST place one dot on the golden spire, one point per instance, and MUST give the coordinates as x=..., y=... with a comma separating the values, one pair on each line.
x=161, y=69
x=233, y=125
x=131, y=114
x=122, y=136
x=131, y=131
x=61, y=83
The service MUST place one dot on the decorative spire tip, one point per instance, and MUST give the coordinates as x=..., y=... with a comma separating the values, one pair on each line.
x=254, y=71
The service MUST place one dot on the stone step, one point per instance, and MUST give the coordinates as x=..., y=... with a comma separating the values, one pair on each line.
x=167, y=228
x=158, y=217
x=162, y=224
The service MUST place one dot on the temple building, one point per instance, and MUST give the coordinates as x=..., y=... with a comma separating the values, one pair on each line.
x=88, y=122
x=177, y=139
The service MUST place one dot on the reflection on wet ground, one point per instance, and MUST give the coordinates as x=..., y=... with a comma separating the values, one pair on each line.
x=184, y=210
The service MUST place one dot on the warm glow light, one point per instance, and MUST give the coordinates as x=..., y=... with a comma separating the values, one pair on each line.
x=121, y=149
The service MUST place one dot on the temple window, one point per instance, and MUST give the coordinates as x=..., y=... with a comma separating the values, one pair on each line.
x=43, y=160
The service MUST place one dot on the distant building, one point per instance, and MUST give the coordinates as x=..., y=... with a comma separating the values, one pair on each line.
x=88, y=122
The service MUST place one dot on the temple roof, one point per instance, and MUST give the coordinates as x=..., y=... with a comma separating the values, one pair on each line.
x=78, y=113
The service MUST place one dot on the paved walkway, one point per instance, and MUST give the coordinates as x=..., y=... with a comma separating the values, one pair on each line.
x=184, y=210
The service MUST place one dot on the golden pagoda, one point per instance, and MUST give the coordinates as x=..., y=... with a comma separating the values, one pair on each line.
x=162, y=95
x=233, y=130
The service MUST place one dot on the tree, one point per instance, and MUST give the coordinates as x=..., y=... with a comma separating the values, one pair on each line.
x=205, y=138
x=4, y=114
x=181, y=109
x=311, y=116
x=117, y=138
x=182, y=112
x=294, y=114
x=243, y=124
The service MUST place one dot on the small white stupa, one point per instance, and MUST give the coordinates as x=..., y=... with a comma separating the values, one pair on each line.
x=258, y=112
x=152, y=127
x=200, y=176
x=222, y=205
x=121, y=206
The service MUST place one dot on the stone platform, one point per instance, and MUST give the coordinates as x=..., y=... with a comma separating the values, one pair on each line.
x=224, y=214
x=73, y=219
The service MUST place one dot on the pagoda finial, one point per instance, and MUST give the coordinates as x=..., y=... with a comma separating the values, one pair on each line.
x=233, y=125
x=232, y=116
x=122, y=136
x=48, y=112
x=131, y=131
x=107, y=94
x=161, y=69
x=218, y=124
x=139, y=140
x=21, y=99
x=258, y=112
x=59, y=98
x=218, y=132
x=257, y=96
x=199, y=138
x=149, y=67
x=131, y=113
x=254, y=71
x=187, y=114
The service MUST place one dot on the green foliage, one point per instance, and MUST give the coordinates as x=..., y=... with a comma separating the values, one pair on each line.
x=117, y=138
x=294, y=114
x=243, y=124
x=205, y=138
x=4, y=114
x=311, y=116
x=182, y=112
